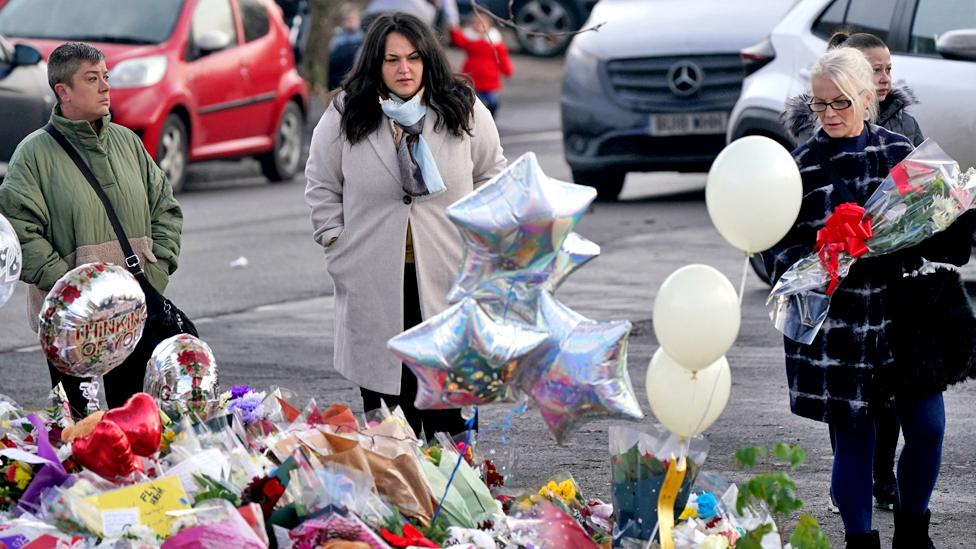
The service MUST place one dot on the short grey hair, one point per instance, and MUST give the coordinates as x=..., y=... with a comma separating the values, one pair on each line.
x=67, y=58
x=850, y=71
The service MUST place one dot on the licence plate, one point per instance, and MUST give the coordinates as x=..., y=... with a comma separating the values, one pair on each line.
x=692, y=123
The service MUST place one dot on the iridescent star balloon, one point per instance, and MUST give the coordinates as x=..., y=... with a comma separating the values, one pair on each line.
x=462, y=357
x=517, y=297
x=513, y=228
x=587, y=378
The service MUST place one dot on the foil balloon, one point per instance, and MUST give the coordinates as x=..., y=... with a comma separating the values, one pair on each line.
x=519, y=296
x=106, y=451
x=10, y=260
x=92, y=319
x=139, y=420
x=182, y=375
x=586, y=376
x=513, y=228
x=462, y=357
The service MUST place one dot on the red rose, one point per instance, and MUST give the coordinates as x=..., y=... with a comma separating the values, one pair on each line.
x=69, y=293
x=99, y=268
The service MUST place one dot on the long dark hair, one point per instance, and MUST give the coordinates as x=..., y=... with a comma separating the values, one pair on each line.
x=449, y=95
x=857, y=40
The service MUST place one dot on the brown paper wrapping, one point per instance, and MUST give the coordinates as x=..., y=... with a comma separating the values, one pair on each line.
x=400, y=480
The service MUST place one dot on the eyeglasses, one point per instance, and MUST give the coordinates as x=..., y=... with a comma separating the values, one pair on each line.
x=839, y=105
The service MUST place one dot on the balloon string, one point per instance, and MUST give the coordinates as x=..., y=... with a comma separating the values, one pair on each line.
x=708, y=405
x=469, y=423
x=89, y=390
x=745, y=273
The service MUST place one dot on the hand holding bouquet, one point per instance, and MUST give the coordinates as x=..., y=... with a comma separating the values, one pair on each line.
x=922, y=195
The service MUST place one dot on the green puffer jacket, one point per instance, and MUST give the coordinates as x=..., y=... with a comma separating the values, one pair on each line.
x=61, y=222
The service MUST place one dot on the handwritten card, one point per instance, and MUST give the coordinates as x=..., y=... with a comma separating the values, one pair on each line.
x=152, y=500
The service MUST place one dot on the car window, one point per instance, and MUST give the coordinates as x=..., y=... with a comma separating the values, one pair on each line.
x=831, y=19
x=873, y=16
x=149, y=23
x=934, y=17
x=254, y=16
x=214, y=15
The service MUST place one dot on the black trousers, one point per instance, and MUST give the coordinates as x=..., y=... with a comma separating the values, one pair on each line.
x=432, y=421
x=122, y=382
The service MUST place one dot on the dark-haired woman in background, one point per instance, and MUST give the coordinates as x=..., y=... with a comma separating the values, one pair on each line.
x=403, y=139
x=892, y=116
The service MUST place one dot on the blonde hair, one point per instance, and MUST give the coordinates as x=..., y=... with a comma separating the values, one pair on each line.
x=851, y=72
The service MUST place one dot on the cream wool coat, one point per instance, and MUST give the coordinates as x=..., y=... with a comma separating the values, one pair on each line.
x=355, y=195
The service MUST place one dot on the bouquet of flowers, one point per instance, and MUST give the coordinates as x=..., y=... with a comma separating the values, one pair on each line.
x=922, y=195
x=639, y=460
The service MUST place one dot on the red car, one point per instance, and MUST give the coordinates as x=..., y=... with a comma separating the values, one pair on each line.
x=196, y=79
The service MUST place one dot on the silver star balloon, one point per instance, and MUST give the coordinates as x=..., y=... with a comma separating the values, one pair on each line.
x=587, y=378
x=462, y=357
x=518, y=296
x=513, y=228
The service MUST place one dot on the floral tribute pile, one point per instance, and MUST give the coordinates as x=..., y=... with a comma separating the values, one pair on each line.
x=261, y=471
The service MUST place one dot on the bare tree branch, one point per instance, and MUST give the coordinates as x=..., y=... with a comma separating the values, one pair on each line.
x=510, y=22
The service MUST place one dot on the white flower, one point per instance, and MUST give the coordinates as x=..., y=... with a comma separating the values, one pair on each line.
x=714, y=541
x=945, y=211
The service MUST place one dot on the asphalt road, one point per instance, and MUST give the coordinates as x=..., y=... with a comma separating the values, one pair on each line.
x=270, y=322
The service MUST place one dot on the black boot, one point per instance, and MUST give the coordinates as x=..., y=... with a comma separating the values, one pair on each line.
x=912, y=531
x=863, y=541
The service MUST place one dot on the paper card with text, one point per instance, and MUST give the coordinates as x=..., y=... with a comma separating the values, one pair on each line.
x=149, y=501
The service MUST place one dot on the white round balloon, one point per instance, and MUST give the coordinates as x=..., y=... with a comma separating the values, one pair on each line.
x=753, y=193
x=696, y=315
x=687, y=403
x=10, y=260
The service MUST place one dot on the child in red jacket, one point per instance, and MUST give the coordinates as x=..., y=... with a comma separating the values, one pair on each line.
x=487, y=58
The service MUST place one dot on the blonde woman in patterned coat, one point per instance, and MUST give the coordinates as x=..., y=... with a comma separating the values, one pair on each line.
x=836, y=378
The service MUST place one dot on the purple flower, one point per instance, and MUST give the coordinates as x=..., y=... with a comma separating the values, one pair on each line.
x=237, y=391
x=248, y=405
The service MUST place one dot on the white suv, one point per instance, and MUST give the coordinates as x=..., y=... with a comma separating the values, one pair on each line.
x=933, y=49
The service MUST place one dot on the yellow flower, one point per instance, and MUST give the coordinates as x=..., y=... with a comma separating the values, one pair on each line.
x=22, y=475
x=688, y=513
x=568, y=490
x=550, y=489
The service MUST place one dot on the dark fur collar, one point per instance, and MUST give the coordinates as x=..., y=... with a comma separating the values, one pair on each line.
x=799, y=121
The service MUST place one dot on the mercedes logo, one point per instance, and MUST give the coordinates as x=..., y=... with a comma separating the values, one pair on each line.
x=685, y=78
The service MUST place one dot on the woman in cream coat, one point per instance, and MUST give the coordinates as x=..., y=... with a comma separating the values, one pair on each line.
x=402, y=140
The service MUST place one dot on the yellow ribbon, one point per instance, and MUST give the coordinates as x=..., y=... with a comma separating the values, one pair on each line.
x=666, y=499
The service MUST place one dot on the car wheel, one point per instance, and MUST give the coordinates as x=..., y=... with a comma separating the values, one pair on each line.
x=540, y=24
x=760, y=268
x=173, y=151
x=608, y=184
x=281, y=163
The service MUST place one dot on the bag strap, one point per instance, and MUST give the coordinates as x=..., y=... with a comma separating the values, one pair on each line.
x=132, y=262
x=840, y=185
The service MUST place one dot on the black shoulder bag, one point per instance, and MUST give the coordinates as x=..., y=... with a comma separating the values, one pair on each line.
x=933, y=329
x=164, y=318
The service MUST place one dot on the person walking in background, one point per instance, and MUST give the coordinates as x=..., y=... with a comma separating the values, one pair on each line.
x=344, y=45
x=59, y=219
x=402, y=139
x=848, y=371
x=893, y=117
x=487, y=58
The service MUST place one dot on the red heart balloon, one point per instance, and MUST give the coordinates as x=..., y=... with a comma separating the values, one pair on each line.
x=106, y=451
x=139, y=420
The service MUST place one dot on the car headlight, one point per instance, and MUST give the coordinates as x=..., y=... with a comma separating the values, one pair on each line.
x=138, y=72
x=582, y=69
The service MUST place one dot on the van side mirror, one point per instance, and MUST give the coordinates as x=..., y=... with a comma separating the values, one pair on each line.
x=25, y=55
x=958, y=44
